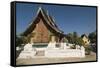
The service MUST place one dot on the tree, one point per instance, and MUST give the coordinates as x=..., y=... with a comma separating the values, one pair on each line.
x=74, y=38
x=80, y=41
x=75, y=35
x=20, y=40
x=69, y=36
x=92, y=37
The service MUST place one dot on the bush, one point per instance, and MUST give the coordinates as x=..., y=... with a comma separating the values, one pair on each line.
x=73, y=47
x=20, y=40
x=88, y=50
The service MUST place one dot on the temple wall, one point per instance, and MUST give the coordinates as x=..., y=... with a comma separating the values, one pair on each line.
x=40, y=33
x=65, y=53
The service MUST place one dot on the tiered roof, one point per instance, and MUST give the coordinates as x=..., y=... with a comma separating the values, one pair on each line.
x=49, y=21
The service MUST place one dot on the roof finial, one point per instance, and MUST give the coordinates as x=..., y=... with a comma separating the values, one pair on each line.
x=39, y=9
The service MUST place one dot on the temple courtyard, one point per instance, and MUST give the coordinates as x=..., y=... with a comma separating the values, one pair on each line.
x=40, y=59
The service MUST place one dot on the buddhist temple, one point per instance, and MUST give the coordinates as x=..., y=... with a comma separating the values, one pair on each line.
x=85, y=39
x=43, y=29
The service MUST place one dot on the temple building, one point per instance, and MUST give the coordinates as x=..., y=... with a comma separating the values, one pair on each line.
x=85, y=39
x=43, y=29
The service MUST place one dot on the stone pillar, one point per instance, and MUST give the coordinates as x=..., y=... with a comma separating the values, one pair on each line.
x=53, y=39
x=83, y=51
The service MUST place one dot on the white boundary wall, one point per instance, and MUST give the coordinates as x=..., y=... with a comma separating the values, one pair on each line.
x=28, y=52
x=65, y=53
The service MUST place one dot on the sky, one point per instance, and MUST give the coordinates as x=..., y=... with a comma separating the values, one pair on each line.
x=68, y=18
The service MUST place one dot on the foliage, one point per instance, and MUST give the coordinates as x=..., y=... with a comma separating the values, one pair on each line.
x=75, y=35
x=79, y=41
x=65, y=39
x=69, y=36
x=74, y=38
x=20, y=40
x=73, y=47
x=92, y=37
x=88, y=49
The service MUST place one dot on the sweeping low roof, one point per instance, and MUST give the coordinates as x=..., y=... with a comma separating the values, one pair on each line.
x=49, y=21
